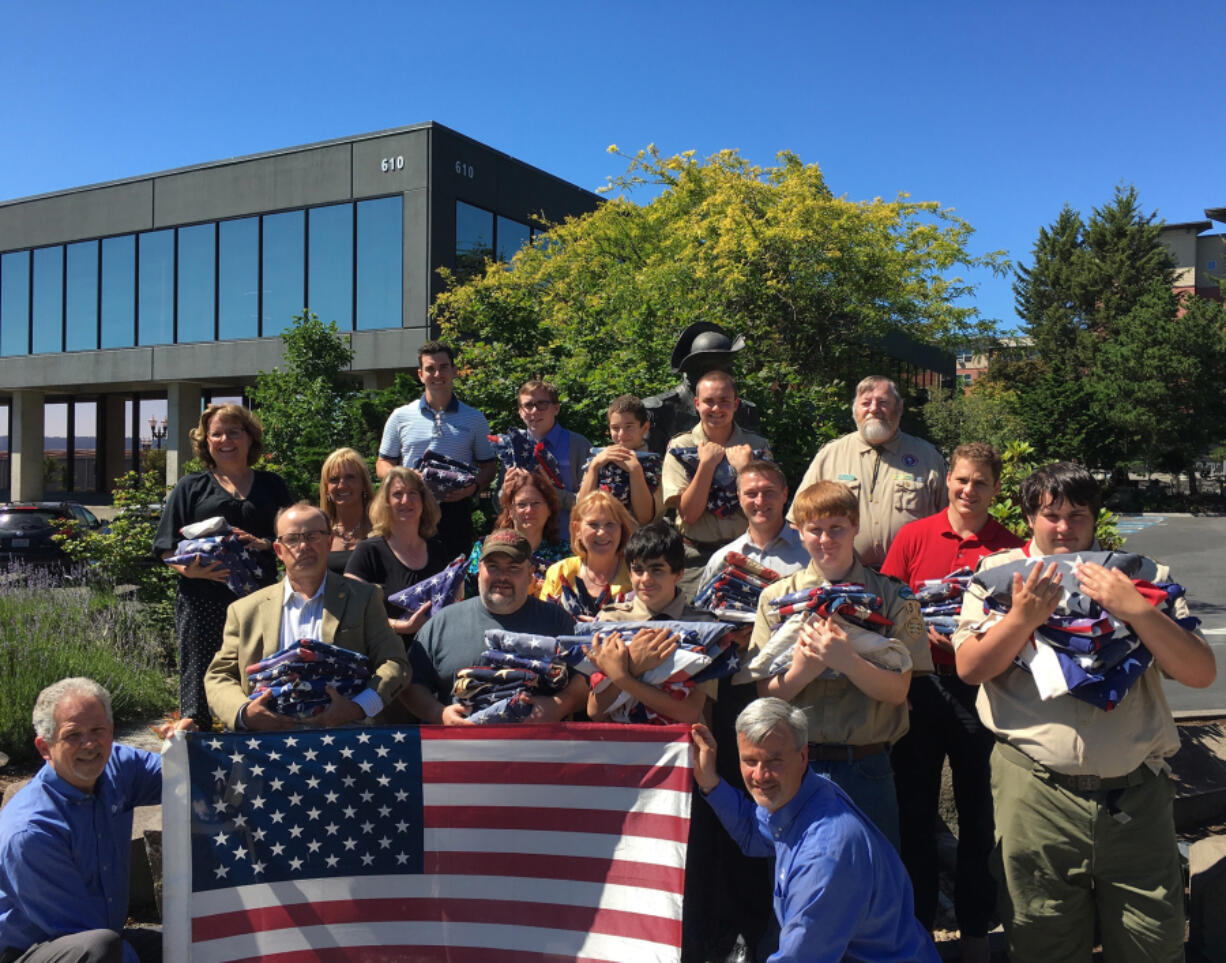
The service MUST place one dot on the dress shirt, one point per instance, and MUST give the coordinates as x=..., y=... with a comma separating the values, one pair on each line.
x=783, y=554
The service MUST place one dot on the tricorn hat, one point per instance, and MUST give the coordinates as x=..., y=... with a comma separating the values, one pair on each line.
x=704, y=341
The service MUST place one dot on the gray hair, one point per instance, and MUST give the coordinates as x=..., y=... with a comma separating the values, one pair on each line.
x=50, y=698
x=876, y=381
x=762, y=716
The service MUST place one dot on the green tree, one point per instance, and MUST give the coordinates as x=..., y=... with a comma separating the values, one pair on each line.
x=985, y=412
x=813, y=280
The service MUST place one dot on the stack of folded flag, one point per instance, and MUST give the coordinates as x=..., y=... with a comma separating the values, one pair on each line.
x=439, y=589
x=299, y=676
x=722, y=499
x=705, y=651
x=858, y=613
x=940, y=600
x=518, y=449
x=614, y=479
x=578, y=601
x=513, y=667
x=733, y=592
x=444, y=475
x=1082, y=650
x=212, y=540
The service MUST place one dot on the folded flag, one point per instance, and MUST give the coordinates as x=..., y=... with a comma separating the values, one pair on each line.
x=212, y=540
x=611, y=477
x=513, y=666
x=733, y=591
x=722, y=500
x=439, y=589
x=851, y=600
x=444, y=475
x=516, y=448
x=299, y=676
x=940, y=599
x=573, y=595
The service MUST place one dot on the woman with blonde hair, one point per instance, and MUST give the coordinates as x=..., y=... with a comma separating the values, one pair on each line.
x=345, y=494
x=596, y=574
x=402, y=549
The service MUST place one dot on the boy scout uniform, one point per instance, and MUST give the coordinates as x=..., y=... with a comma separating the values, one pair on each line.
x=896, y=482
x=1084, y=823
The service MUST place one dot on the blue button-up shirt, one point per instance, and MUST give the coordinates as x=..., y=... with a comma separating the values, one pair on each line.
x=64, y=852
x=841, y=892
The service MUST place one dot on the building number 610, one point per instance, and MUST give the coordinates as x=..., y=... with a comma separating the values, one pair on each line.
x=392, y=163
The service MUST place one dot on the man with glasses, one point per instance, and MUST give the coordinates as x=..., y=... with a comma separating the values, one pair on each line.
x=310, y=603
x=441, y=423
x=538, y=409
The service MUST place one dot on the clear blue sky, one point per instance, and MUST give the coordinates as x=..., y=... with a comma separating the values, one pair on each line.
x=1002, y=112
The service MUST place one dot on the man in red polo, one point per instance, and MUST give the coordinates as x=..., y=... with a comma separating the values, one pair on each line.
x=943, y=717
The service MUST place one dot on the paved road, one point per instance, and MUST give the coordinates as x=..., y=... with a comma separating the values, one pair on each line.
x=1195, y=548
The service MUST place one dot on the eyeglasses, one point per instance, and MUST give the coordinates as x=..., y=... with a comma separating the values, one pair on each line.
x=230, y=434
x=534, y=405
x=294, y=539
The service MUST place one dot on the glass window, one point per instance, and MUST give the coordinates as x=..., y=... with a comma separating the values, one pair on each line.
x=15, y=303
x=84, y=445
x=474, y=239
x=330, y=264
x=118, y=291
x=48, y=327
x=284, y=292
x=156, y=286
x=196, y=256
x=238, y=279
x=82, y=296
x=55, y=447
x=380, y=263
x=511, y=237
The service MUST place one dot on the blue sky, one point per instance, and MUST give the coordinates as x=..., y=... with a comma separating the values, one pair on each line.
x=1002, y=112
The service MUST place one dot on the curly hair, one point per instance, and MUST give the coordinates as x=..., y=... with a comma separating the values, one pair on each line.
x=506, y=518
x=249, y=422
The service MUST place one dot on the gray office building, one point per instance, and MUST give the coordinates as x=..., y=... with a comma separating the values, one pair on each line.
x=177, y=285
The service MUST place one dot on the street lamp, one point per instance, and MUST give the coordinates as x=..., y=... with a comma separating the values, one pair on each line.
x=157, y=433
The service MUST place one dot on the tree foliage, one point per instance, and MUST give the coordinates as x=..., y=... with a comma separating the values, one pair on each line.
x=812, y=280
x=983, y=413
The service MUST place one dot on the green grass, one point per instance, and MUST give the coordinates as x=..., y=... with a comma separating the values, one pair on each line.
x=49, y=630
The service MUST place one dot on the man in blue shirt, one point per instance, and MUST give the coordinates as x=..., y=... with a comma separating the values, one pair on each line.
x=440, y=422
x=65, y=837
x=841, y=892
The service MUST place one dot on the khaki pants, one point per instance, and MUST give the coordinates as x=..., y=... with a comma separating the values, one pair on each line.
x=1066, y=859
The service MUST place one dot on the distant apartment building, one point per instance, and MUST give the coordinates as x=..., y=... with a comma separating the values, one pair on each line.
x=1200, y=258
x=971, y=363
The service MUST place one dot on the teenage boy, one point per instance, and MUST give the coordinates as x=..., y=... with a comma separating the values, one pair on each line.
x=943, y=718
x=857, y=710
x=538, y=409
x=628, y=425
x=717, y=438
x=1083, y=798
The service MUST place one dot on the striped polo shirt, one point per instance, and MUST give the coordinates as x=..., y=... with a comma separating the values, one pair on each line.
x=459, y=431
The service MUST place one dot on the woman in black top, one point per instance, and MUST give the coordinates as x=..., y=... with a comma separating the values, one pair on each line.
x=345, y=494
x=402, y=549
x=228, y=440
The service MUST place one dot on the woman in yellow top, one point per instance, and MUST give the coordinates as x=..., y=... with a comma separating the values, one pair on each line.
x=596, y=575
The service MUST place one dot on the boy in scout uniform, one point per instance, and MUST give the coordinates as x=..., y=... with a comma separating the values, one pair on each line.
x=857, y=712
x=1084, y=823
x=896, y=477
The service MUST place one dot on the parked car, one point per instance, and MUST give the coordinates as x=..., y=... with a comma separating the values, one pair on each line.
x=26, y=529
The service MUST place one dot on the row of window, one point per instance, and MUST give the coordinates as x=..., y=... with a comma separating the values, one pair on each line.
x=482, y=235
x=242, y=278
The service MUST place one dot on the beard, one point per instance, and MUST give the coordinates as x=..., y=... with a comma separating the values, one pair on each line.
x=877, y=432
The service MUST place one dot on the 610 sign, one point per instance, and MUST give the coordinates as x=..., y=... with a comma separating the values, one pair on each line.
x=392, y=163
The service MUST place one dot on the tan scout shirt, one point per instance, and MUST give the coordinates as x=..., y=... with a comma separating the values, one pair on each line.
x=897, y=482
x=678, y=610
x=838, y=712
x=1065, y=733
x=708, y=529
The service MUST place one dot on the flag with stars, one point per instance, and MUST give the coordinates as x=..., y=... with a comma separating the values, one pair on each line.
x=524, y=843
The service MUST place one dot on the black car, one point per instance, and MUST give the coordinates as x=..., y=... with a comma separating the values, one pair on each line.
x=26, y=529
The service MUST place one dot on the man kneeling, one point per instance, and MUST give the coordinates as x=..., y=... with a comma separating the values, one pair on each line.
x=842, y=892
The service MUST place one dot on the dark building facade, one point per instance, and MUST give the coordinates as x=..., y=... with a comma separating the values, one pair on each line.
x=177, y=285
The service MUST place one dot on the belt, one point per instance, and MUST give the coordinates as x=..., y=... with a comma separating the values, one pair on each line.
x=1078, y=784
x=831, y=752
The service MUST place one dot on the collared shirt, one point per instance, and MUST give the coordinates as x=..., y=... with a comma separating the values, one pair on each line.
x=930, y=548
x=569, y=449
x=838, y=711
x=897, y=482
x=708, y=530
x=841, y=892
x=1065, y=733
x=459, y=431
x=783, y=554
x=64, y=853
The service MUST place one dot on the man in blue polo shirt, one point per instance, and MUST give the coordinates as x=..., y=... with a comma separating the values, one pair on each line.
x=440, y=422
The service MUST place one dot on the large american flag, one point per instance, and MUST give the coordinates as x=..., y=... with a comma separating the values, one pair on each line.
x=508, y=843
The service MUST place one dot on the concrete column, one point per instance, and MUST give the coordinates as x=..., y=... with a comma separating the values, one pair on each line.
x=182, y=415
x=111, y=461
x=28, y=437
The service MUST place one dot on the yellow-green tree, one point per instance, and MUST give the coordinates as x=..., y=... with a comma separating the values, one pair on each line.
x=813, y=280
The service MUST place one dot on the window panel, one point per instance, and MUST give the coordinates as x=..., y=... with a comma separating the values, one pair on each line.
x=512, y=235
x=474, y=239
x=380, y=263
x=284, y=291
x=15, y=303
x=238, y=279
x=156, y=286
x=82, y=296
x=196, y=299
x=330, y=264
x=48, y=300
x=118, y=291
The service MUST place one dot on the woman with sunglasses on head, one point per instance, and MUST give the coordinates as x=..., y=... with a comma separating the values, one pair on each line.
x=345, y=495
x=229, y=440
